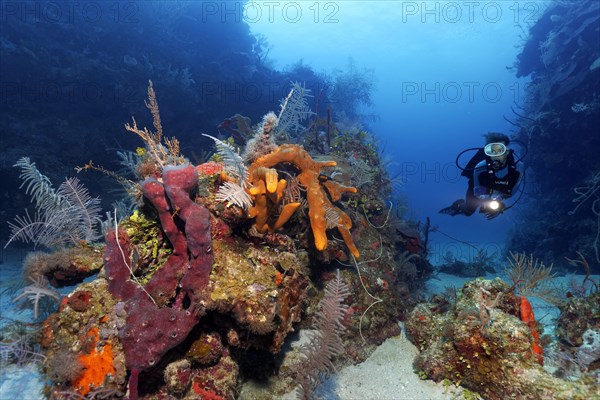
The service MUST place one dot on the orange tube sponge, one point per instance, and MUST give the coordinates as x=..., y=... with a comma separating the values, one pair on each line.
x=264, y=182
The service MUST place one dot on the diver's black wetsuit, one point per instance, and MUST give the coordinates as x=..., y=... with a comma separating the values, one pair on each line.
x=499, y=182
x=486, y=181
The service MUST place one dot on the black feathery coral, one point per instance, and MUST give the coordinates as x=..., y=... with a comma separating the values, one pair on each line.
x=233, y=164
x=232, y=161
x=63, y=216
x=326, y=342
x=37, y=185
x=294, y=109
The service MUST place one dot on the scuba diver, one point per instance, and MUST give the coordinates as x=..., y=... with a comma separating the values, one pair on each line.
x=492, y=174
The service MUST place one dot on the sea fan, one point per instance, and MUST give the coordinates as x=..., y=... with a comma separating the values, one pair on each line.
x=326, y=342
x=63, y=216
x=362, y=173
x=19, y=346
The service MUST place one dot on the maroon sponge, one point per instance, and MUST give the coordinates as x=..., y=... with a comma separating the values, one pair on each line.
x=162, y=313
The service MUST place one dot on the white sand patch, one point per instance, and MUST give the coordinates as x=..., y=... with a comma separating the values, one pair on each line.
x=386, y=375
x=16, y=382
x=21, y=383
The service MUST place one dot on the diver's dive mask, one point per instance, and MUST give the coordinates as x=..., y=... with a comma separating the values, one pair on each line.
x=497, y=152
x=495, y=149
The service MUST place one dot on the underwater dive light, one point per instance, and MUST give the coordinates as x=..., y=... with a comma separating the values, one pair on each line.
x=493, y=205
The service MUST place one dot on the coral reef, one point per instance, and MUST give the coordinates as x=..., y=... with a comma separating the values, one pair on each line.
x=488, y=342
x=193, y=296
x=578, y=316
x=65, y=267
x=577, y=353
x=85, y=333
x=479, y=266
x=588, y=353
x=246, y=287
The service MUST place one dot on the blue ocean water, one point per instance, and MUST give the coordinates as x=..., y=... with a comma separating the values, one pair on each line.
x=442, y=80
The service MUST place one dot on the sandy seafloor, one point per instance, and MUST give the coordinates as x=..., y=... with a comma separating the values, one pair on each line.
x=386, y=375
x=16, y=382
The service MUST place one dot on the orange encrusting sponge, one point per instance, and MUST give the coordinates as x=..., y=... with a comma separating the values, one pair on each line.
x=97, y=364
x=527, y=316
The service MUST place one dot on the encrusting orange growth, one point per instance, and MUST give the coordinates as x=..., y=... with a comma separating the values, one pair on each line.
x=267, y=191
x=97, y=364
x=526, y=313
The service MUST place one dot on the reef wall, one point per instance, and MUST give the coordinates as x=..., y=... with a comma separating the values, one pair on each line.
x=558, y=122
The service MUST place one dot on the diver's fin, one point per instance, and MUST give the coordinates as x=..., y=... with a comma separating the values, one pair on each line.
x=454, y=209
